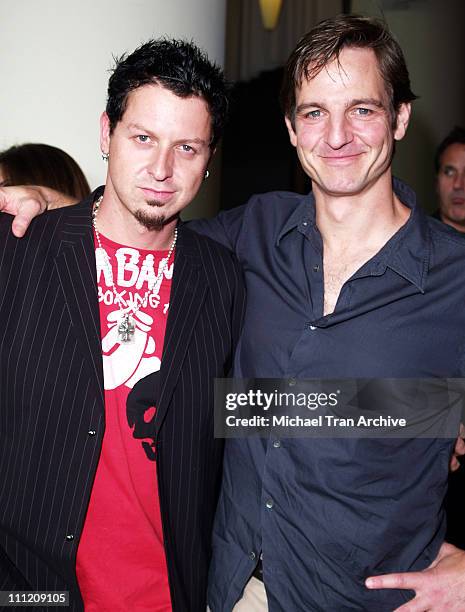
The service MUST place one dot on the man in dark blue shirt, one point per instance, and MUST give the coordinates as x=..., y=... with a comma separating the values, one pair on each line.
x=327, y=513
x=352, y=281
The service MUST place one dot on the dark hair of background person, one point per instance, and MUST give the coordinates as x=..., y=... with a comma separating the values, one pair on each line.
x=41, y=164
x=457, y=135
x=180, y=67
x=324, y=43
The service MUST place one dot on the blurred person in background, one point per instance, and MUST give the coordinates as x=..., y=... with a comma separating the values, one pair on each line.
x=450, y=185
x=450, y=179
x=48, y=168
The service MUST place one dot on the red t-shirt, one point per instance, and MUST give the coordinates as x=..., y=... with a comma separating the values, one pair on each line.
x=121, y=561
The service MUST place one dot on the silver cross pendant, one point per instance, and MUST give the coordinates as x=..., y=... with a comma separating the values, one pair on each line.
x=126, y=329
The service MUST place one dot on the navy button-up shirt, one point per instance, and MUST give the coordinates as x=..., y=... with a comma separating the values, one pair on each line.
x=327, y=513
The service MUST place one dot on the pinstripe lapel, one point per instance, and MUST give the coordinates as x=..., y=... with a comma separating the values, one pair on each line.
x=190, y=285
x=76, y=269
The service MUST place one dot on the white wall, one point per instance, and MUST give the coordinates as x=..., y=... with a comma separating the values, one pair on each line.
x=55, y=56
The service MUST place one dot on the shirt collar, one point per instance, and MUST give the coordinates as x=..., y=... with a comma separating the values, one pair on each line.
x=410, y=251
x=303, y=217
x=406, y=253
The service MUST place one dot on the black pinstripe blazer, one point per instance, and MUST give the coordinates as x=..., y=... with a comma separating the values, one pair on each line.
x=52, y=406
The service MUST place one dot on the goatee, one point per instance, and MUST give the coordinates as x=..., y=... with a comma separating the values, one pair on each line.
x=151, y=222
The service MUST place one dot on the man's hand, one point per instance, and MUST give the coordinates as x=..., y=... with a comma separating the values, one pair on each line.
x=439, y=588
x=25, y=203
x=459, y=450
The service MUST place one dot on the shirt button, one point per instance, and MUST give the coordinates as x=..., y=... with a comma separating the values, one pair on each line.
x=312, y=327
x=277, y=443
x=269, y=504
x=70, y=537
x=292, y=382
x=305, y=223
x=252, y=555
x=316, y=268
x=91, y=432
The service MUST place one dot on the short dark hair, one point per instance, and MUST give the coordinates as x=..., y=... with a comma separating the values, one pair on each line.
x=324, y=43
x=457, y=135
x=42, y=164
x=179, y=66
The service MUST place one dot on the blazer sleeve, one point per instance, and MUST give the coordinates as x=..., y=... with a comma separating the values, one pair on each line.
x=238, y=305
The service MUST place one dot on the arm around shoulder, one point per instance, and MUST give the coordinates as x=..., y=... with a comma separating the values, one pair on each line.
x=226, y=227
x=27, y=202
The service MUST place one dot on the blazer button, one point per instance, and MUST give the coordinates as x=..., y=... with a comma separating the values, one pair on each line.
x=91, y=432
x=70, y=537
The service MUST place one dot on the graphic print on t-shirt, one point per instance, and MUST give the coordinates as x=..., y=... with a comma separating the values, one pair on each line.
x=136, y=273
x=121, y=562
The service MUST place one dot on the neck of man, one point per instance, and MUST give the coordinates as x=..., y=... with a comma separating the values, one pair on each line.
x=120, y=226
x=460, y=227
x=361, y=222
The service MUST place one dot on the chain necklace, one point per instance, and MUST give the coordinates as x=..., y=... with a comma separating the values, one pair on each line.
x=126, y=326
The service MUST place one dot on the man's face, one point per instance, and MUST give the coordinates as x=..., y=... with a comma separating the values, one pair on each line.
x=159, y=151
x=343, y=127
x=451, y=186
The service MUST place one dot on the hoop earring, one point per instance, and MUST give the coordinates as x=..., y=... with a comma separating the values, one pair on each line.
x=206, y=175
